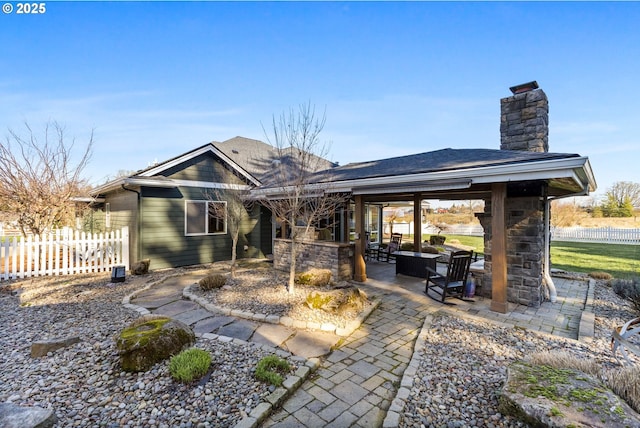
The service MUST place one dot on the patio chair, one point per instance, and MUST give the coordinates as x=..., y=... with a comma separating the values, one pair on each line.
x=370, y=250
x=452, y=284
x=386, y=254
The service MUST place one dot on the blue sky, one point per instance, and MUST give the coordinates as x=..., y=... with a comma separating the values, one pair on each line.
x=157, y=79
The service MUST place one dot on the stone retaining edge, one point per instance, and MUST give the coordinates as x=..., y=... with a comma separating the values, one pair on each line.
x=352, y=325
x=586, y=329
x=392, y=419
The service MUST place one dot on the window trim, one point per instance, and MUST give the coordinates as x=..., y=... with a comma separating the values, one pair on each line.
x=206, y=219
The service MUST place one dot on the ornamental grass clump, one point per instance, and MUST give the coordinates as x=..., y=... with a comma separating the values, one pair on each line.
x=271, y=368
x=605, y=276
x=189, y=365
x=628, y=289
x=212, y=282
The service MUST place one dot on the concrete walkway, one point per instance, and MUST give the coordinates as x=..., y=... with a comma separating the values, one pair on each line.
x=356, y=383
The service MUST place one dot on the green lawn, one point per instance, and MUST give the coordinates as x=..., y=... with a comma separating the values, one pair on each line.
x=621, y=261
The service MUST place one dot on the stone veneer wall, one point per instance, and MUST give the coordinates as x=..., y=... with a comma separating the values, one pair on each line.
x=525, y=245
x=524, y=122
x=335, y=256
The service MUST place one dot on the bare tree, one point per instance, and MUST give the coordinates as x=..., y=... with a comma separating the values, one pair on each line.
x=38, y=177
x=624, y=192
x=235, y=211
x=297, y=202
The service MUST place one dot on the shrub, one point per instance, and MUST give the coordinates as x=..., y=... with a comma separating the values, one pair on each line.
x=437, y=240
x=189, y=365
x=271, y=368
x=430, y=250
x=315, y=277
x=628, y=289
x=601, y=275
x=407, y=246
x=212, y=282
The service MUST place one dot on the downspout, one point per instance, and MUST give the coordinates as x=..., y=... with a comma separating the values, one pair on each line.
x=546, y=273
x=138, y=238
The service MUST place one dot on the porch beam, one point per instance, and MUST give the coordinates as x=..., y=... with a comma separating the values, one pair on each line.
x=417, y=222
x=360, y=267
x=498, y=248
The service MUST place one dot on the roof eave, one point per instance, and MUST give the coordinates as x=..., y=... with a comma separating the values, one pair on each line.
x=575, y=168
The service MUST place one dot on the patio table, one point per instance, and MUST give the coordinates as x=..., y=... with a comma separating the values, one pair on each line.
x=414, y=264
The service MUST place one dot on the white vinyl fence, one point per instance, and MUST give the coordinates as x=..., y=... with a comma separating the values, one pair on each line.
x=608, y=235
x=604, y=235
x=63, y=252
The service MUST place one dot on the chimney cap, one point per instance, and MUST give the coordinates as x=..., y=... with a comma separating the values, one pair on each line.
x=525, y=87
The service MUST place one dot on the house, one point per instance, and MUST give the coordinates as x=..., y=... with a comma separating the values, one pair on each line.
x=165, y=205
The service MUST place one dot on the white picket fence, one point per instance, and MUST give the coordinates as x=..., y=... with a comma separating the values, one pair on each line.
x=63, y=252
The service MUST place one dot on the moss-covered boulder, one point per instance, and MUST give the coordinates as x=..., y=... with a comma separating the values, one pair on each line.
x=152, y=339
x=315, y=277
x=544, y=396
x=343, y=301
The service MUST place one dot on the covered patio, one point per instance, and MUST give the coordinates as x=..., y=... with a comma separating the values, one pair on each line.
x=516, y=182
x=571, y=316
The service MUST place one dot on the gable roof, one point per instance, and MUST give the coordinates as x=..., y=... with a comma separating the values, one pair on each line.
x=259, y=158
x=152, y=176
x=254, y=156
x=248, y=158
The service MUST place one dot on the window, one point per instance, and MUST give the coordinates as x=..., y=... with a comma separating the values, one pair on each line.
x=205, y=217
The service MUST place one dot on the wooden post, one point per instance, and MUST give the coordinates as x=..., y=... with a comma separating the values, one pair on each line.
x=360, y=267
x=417, y=222
x=498, y=249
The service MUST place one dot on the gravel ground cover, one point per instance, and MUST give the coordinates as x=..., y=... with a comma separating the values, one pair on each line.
x=463, y=364
x=269, y=296
x=84, y=384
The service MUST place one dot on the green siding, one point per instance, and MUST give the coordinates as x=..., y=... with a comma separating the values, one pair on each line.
x=157, y=223
x=164, y=240
x=124, y=212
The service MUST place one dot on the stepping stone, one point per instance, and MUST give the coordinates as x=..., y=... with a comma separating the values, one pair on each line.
x=272, y=334
x=239, y=329
x=311, y=344
x=176, y=308
x=151, y=304
x=160, y=292
x=192, y=317
x=209, y=325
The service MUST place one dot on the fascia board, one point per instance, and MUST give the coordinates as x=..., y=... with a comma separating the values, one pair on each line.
x=208, y=148
x=115, y=184
x=170, y=183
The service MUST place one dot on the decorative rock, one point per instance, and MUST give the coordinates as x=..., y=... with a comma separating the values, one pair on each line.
x=551, y=397
x=14, y=416
x=42, y=348
x=150, y=340
x=141, y=267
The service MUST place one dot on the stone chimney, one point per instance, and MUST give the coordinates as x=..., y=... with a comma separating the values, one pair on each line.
x=524, y=119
